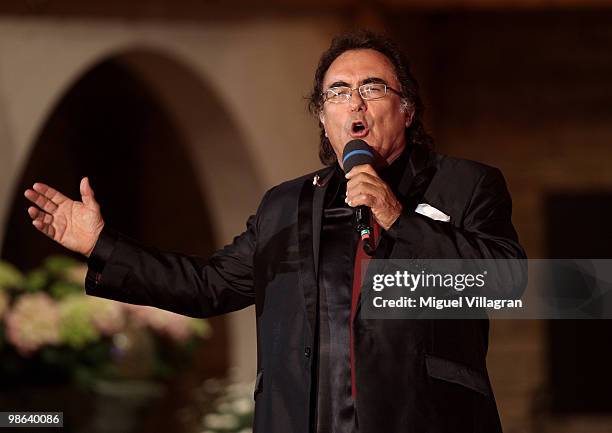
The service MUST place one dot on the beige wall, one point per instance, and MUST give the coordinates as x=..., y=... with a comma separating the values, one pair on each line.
x=260, y=70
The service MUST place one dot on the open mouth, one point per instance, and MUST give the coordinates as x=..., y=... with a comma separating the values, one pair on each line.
x=359, y=129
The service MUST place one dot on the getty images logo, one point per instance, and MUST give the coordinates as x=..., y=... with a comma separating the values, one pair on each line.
x=412, y=281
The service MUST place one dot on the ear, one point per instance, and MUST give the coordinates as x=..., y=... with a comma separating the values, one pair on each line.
x=408, y=110
x=409, y=117
x=322, y=117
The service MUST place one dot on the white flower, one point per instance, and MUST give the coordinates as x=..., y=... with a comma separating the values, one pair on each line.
x=212, y=385
x=224, y=407
x=33, y=322
x=242, y=406
x=178, y=327
x=76, y=274
x=239, y=389
x=220, y=421
x=107, y=316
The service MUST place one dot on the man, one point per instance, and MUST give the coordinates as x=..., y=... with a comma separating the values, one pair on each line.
x=321, y=366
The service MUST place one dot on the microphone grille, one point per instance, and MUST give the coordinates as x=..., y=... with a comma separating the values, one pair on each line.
x=356, y=152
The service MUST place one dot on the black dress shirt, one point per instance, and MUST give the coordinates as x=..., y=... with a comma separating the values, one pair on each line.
x=339, y=240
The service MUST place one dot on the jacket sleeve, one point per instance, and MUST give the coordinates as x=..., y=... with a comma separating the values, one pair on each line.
x=486, y=232
x=121, y=269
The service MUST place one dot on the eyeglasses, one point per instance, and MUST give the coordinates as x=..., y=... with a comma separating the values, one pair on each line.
x=368, y=92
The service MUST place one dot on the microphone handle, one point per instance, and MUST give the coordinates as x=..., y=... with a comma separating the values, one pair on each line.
x=363, y=227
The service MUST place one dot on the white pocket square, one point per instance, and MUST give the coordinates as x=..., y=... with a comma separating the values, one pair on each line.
x=431, y=212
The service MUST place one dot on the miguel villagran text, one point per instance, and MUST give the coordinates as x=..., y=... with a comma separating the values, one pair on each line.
x=440, y=304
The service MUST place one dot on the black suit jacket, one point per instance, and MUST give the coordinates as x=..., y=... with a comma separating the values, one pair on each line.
x=412, y=375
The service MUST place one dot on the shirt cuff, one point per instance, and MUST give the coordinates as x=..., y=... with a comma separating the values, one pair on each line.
x=100, y=255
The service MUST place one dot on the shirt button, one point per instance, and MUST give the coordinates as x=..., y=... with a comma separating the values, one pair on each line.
x=307, y=352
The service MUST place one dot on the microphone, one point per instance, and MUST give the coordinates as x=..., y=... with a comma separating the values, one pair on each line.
x=358, y=152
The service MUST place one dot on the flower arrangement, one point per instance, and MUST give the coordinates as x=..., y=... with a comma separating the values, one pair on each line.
x=51, y=332
x=228, y=406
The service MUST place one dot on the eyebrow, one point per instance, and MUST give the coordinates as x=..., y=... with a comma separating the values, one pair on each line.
x=374, y=80
x=364, y=81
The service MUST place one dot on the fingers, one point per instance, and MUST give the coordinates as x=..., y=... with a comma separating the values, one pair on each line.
x=364, y=168
x=40, y=200
x=363, y=188
x=45, y=197
x=362, y=200
x=364, y=179
x=42, y=221
x=50, y=193
x=87, y=194
x=364, y=194
x=363, y=174
x=366, y=188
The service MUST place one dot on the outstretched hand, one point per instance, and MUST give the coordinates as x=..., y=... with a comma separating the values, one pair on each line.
x=75, y=225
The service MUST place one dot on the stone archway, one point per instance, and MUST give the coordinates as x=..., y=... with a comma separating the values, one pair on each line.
x=163, y=155
x=140, y=106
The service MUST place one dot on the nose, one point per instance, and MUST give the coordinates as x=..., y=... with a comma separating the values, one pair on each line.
x=356, y=102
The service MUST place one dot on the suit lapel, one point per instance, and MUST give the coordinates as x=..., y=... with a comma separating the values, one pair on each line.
x=417, y=175
x=310, y=211
x=317, y=214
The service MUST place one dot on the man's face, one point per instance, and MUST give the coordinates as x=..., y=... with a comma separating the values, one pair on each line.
x=384, y=119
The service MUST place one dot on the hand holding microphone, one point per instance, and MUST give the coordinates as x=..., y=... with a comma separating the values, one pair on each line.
x=365, y=188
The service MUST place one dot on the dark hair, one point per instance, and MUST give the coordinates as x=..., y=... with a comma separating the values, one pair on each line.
x=364, y=39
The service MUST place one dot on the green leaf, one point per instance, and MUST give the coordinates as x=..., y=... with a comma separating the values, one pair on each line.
x=10, y=276
x=58, y=265
x=36, y=280
x=76, y=327
x=60, y=289
x=201, y=328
